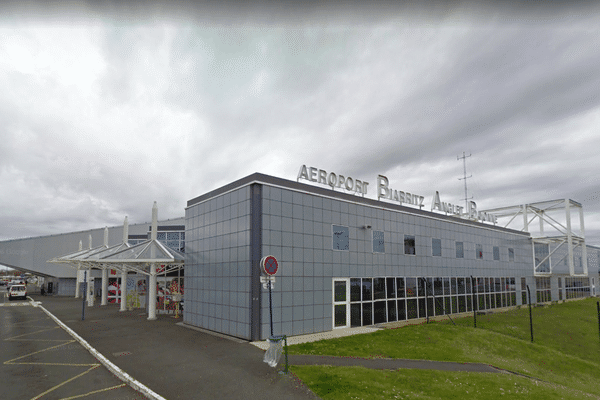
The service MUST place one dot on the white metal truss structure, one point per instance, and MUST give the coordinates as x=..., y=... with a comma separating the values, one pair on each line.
x=556, y=215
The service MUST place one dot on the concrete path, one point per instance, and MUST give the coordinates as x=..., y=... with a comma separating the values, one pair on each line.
x=389, y=363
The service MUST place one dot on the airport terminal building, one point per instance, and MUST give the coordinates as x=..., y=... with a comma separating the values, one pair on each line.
x=345, y=259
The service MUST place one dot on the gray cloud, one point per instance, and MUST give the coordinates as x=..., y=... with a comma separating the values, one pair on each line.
x=169, y=109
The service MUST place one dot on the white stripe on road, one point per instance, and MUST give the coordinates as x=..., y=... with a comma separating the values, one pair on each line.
x=122, y=375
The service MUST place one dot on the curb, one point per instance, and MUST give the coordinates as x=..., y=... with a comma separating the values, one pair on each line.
x=118, y=372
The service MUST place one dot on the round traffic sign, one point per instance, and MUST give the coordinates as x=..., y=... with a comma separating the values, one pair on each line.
x=269, y=265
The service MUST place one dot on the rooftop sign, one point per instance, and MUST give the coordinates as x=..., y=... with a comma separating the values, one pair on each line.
x=384, y=191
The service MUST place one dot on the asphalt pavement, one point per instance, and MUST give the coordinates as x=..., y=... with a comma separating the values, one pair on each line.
x=174, y=361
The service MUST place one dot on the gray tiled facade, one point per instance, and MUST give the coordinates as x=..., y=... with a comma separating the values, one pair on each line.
x=296, y=226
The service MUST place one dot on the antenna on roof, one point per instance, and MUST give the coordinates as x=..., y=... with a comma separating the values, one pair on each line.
x=465, y=177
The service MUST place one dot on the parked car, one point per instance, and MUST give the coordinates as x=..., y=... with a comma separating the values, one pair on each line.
x=17, y=291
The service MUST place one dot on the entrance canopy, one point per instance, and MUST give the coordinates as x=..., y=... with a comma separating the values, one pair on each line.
x=141, y=256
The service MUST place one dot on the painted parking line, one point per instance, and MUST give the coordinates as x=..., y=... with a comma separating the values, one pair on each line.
x=37, y=357
x=118, y=372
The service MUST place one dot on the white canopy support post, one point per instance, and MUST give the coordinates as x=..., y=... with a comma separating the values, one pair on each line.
x=78, y=274
x=104, y=300
x=152, y=293
x=123, y=288
x=123, y=269
x=90, y=289
x=152, y=288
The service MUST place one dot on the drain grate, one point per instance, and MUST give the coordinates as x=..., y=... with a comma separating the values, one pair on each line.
x=122, y=353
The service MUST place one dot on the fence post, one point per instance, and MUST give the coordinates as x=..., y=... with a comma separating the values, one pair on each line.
x=474, y=300
x=530, y=318
x=598, y=307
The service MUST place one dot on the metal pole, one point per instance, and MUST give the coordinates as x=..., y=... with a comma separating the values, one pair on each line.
x=474, y=303
x=270, y=306
x=84, y=296
x=285, y=371
x=598, y=307
x=530, y=318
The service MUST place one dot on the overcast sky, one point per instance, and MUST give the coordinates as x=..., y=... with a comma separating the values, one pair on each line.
x=104, y=111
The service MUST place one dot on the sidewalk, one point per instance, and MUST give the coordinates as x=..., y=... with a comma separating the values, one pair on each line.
x=174, y=361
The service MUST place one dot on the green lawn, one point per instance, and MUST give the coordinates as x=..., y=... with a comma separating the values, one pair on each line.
x=565, y=352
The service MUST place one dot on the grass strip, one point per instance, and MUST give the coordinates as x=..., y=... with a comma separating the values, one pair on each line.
x=337, y=383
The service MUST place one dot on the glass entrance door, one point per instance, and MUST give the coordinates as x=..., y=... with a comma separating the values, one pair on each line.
x=341, y=303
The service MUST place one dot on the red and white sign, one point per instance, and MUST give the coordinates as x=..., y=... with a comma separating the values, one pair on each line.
x=270, y=265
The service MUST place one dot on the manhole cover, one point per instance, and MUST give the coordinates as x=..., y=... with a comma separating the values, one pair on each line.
x=122, y=353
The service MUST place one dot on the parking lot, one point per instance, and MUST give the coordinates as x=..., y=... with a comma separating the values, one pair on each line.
x=42, y=361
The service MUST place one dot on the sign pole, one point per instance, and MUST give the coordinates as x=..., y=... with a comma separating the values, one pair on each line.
x=84, y=295
x=271, y=306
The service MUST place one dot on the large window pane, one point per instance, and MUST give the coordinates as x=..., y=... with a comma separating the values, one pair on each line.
x=462, y=305
x=411, y=287
x=367, y=313
x=380, y=312
x=454, y=286
x=438, y=286
x=461, y=285
x=422, y=311
x=355, y=289
x=446, y=286
x=355, y=314
x=391, y=288
x=411, y=308
x=439, y=306
x=340, y=315
x=401, y=310
x=392, y=310
x=367, y=289
x=400, y=287
x=379, y=288
x=447, y=305
x=468, y=285
x=340, y=291
x=421, y=284
x=429, y=301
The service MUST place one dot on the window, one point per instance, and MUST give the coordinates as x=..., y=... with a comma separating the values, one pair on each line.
x=436, y=247
x=459, y=250
x=409, y=245
x=479, y=251
x=341, y=238
x=511, y=254
x=496, y=253
x=378, y=242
